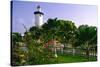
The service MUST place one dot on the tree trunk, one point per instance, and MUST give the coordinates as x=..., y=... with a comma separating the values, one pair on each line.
x=87, y=54
x=74, y=51
x=87, y=51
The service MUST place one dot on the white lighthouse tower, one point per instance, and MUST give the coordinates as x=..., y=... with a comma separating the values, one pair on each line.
x=38, y=17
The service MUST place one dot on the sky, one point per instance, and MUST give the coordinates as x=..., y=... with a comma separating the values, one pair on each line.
x=23, y=13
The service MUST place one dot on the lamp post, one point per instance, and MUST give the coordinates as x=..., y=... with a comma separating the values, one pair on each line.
x=56, y=52
x=55, y=49
x=62, y=46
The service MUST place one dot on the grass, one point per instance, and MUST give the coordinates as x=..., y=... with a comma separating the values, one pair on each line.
x=72, y=59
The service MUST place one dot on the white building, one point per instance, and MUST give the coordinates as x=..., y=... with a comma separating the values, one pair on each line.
x=38, y=17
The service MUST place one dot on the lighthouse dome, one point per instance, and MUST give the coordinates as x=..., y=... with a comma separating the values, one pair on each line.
x=38, y=12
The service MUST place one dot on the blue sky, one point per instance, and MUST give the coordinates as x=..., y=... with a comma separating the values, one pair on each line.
x=23, y=13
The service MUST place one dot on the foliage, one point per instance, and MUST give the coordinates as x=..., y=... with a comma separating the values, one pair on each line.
x=16, y=37
x=63, y=31
x=87, y=36
x=37, y=53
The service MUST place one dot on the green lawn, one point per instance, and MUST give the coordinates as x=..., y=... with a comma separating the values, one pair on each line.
x=71, y=59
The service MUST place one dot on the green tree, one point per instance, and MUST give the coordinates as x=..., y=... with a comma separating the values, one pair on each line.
x=16, y=37
x=16, y=51
x=86, y=35
x=37, y=53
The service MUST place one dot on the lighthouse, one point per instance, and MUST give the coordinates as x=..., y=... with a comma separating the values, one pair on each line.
x=38, y=17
